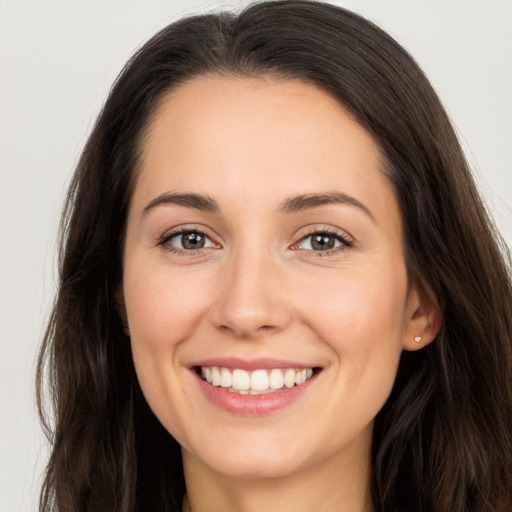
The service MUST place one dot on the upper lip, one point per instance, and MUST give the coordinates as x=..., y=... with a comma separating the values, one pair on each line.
x=252, y=364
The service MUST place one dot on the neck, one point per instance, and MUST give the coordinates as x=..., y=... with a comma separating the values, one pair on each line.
x=333, y=484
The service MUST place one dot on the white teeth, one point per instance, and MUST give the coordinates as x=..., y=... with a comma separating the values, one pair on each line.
x=240, y=391
x=241, y=380
x=225, y=378
x=256, y=383
x=289, y=378
x=215, y=376
x=276, y=379
x=259, y=380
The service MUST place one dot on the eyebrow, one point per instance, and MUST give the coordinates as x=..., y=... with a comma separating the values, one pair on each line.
x=291, y=205
x=308, y=201
x=189, y=200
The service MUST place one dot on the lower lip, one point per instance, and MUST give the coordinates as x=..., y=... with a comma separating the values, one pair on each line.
x=252, y=405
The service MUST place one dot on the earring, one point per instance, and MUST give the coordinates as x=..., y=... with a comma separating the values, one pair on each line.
x=417, y=339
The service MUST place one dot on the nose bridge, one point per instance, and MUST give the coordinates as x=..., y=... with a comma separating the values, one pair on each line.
x=251, y=296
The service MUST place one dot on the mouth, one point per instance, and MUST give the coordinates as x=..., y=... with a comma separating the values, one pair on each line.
x=257, y=382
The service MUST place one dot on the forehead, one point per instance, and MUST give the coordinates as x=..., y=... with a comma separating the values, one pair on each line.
x=218, y=135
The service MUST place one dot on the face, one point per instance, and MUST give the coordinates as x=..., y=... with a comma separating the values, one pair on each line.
x=265, y=285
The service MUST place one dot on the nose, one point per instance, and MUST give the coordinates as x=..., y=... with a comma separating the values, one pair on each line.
x=251, y=300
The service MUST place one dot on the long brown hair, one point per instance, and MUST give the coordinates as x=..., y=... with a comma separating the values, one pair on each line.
x=443, y=441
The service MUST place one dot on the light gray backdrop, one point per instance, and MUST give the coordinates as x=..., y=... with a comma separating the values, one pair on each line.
x=57, y=61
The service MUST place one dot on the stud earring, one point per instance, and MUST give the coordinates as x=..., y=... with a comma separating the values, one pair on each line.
x=417, y=339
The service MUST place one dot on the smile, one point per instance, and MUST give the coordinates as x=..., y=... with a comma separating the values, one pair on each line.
x=257, y=382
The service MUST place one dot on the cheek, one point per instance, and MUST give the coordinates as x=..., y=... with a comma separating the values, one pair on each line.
x=163, y=310
x=360, y=315
x=353, y=300
x=162, y=307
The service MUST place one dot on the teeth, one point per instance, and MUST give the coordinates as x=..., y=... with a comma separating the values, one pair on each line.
x=259, y=380
x=300, y=377
x=215, y=376
x=225, y=378
x=276, y=379
x=241, y=380
x=289, y=378
x=256, y=383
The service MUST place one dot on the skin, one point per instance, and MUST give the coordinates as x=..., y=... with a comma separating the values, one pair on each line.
x=259, y=289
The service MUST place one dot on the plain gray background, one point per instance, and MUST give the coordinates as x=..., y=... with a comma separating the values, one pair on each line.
x=57, y=61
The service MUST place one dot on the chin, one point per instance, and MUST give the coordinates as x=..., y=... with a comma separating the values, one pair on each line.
x=261, y=468
x=253, y=458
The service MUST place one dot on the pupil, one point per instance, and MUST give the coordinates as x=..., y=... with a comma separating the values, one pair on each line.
x=322, y=242
x=192, y=240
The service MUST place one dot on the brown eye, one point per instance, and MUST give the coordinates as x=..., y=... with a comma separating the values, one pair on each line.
x=189, y=241
x=192, y=240
x=323, y=241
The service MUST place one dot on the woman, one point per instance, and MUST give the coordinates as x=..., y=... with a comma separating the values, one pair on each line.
x=279, y=287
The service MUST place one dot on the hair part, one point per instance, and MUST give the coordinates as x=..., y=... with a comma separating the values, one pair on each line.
x=443, y=440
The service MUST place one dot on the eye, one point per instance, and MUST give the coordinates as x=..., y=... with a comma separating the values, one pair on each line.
x=188, y=240
x=323, y=241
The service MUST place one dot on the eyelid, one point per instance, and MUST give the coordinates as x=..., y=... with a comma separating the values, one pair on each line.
x=347, y=241
x=178, y=230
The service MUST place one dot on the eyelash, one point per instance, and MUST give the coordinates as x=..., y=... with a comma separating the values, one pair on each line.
x=164, y=242
x=346, y=242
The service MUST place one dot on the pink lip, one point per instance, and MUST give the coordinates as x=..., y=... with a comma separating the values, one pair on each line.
x=252, y=405
x=251, y=364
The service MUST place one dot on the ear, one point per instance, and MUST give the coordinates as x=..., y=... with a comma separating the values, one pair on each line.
x=423, y=317
x=121, y=308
